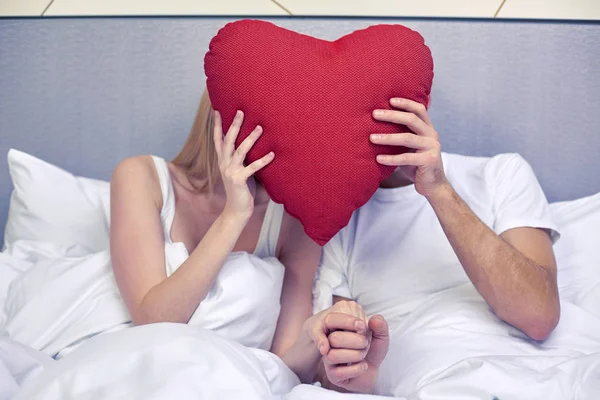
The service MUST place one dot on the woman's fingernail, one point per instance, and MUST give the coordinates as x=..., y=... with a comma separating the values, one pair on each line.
x=322, y=348
x=375, y=137
x=395, y=100
x=359, y=325
x=259, y=129
x=381, y=158
x=364, y=366
x=238, y=113
x=378, y=113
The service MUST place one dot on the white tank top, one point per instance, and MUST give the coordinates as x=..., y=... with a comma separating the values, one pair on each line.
x=243, y=303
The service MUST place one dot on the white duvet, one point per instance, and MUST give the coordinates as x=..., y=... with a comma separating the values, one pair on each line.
x=435, y=355
x=163, y=361
x=452, y=347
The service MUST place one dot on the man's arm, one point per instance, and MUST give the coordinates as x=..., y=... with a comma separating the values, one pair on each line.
x=514, y=272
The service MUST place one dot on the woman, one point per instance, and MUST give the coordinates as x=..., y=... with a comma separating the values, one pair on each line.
x=183, y=231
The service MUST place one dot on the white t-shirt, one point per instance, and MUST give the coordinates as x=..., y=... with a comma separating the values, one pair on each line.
x=394, y=255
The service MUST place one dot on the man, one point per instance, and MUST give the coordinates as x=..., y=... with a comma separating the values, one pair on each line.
x=437, y=222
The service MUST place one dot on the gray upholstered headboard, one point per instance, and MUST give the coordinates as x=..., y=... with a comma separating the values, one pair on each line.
x=86, y=93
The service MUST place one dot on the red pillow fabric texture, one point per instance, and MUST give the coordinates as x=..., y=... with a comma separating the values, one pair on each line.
x=314, y=99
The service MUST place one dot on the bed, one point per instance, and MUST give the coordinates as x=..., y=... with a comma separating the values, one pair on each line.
x=82, y=94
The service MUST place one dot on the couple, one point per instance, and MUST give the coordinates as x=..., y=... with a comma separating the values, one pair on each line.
x=437, y=222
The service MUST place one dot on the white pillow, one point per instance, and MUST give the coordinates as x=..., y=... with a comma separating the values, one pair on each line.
x=60, y=302
x=578, y=251
x=49, y=204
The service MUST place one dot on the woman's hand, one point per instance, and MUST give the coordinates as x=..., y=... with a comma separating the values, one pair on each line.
x=424, y=167
x=234, y=174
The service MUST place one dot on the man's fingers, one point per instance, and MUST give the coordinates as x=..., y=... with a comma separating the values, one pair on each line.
x=379, y=327
x=412, y=159
x=341, y=373
x=380, y=341
x=344, y=356
x=412, y=106
x=341, y=321
x=408, y=119
x=348, y=340
x=408, y=140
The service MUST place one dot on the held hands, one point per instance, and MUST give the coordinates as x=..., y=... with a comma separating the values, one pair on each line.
x=352, y=347
x=234, y=173
x=424, y=167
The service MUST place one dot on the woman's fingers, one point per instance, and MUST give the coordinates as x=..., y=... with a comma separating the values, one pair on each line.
x=348, y=340
x=344, y=356
x=239, y=155
x=235, y=158
x=218, y=134
x=413, y=107
x=232, y=133
x=320, y=339
x=258, y=164
x=408, y=140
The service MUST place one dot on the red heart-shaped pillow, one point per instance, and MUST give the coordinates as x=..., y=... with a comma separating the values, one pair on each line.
x=314, y=100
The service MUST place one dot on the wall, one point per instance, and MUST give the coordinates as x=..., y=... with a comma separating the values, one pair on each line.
x=86, y=93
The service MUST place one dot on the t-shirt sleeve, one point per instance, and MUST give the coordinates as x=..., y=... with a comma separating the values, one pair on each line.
x=518, y=199
x=331, y=279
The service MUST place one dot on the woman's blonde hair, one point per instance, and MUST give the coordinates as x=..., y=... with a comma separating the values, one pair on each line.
x=198, y=156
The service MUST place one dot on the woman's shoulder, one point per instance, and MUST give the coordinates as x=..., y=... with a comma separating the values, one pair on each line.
x=138, y=177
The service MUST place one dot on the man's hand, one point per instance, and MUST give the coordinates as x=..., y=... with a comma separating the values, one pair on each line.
x=352, y=347
x=424, y=167
x=345, y=316
x=355, y=370
x=519, y=281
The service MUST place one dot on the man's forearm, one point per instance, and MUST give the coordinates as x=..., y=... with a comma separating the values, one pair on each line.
x=517, y=289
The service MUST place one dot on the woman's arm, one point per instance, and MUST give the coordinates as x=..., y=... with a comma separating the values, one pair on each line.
x=137, y=242
x=301, y=256
x=137, y=249
x=301, y=339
